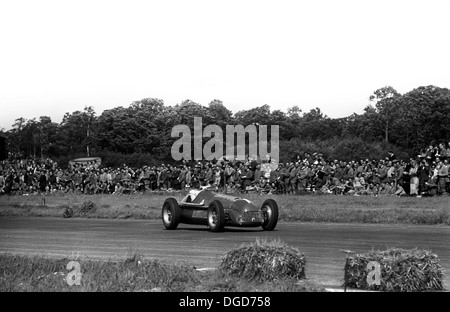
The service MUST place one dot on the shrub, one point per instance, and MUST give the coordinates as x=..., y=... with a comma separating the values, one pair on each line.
x=68, y=213
x=402, y=270
x=264, y=261
x=87, y=207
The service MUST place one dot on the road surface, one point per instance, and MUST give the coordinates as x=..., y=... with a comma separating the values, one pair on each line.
x=114, y=239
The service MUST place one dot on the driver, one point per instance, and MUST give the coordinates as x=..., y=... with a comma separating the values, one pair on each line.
x=191, y=196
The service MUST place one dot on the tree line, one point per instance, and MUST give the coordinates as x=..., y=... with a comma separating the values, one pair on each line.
x=404, y=123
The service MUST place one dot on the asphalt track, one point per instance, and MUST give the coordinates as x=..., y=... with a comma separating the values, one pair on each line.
x=114, y=239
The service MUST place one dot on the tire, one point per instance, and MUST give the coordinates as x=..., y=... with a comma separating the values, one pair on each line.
x=171, y=213
x=269, y=209
x=216, y=216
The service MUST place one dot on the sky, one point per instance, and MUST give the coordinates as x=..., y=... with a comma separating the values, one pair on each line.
x=60, y=56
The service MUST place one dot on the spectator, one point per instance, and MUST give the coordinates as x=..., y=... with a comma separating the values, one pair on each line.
x=400, y=191
x=423, y=172
x=218, y=173
x=303, y=176
x=442, y=172
x=42, y=181
x=414, y=180
x=442, y=151
x=308, y=173
x=258, y=174
x=182, y=177
x=247, y=178
x=390, y=172
x=359, y=183
x=383, y=172
x=291, y=179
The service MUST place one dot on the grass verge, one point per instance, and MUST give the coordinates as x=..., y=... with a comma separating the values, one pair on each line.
x=134, y=274
x=293, y=208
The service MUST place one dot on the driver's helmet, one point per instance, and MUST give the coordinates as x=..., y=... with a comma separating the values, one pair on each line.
x=193, y=193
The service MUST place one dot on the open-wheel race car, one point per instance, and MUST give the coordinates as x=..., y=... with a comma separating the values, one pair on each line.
x=216, y=210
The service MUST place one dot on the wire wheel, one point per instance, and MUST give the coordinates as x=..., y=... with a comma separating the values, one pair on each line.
x=216, y=216
x=171, y=213
x=269, y=211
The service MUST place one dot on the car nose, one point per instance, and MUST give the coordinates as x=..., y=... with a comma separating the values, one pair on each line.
x=248, y=207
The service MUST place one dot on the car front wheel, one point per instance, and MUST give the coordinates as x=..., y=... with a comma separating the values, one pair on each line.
x=171, y=213
x=216, y=216
x=269, y=211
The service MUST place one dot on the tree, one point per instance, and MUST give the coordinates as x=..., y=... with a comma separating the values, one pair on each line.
x=385, y=102
x=48, y=131
x=315, y=114
x=188, y=109
x=113, y=130
x=144, y=118
x=222, y=116
x=143, y=127
x=287, y=128
x=315, y=125
x=76, y=128
x=16, y=139
x=258, y=116
x=88, y=118
x=424, y=114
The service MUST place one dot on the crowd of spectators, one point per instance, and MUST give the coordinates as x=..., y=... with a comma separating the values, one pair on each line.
x=424, y=174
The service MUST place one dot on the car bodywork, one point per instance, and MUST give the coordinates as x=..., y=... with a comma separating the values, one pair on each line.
x=202, y=207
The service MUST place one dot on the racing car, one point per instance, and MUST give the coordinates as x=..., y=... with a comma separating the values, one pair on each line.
x=216, y=210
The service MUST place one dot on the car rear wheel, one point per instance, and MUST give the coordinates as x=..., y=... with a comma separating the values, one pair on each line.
x=216, y=216
x=171, y=213
x=269, y=210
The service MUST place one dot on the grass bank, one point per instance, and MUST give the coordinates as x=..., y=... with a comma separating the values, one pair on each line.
x=35, y=274
x=293, y=208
